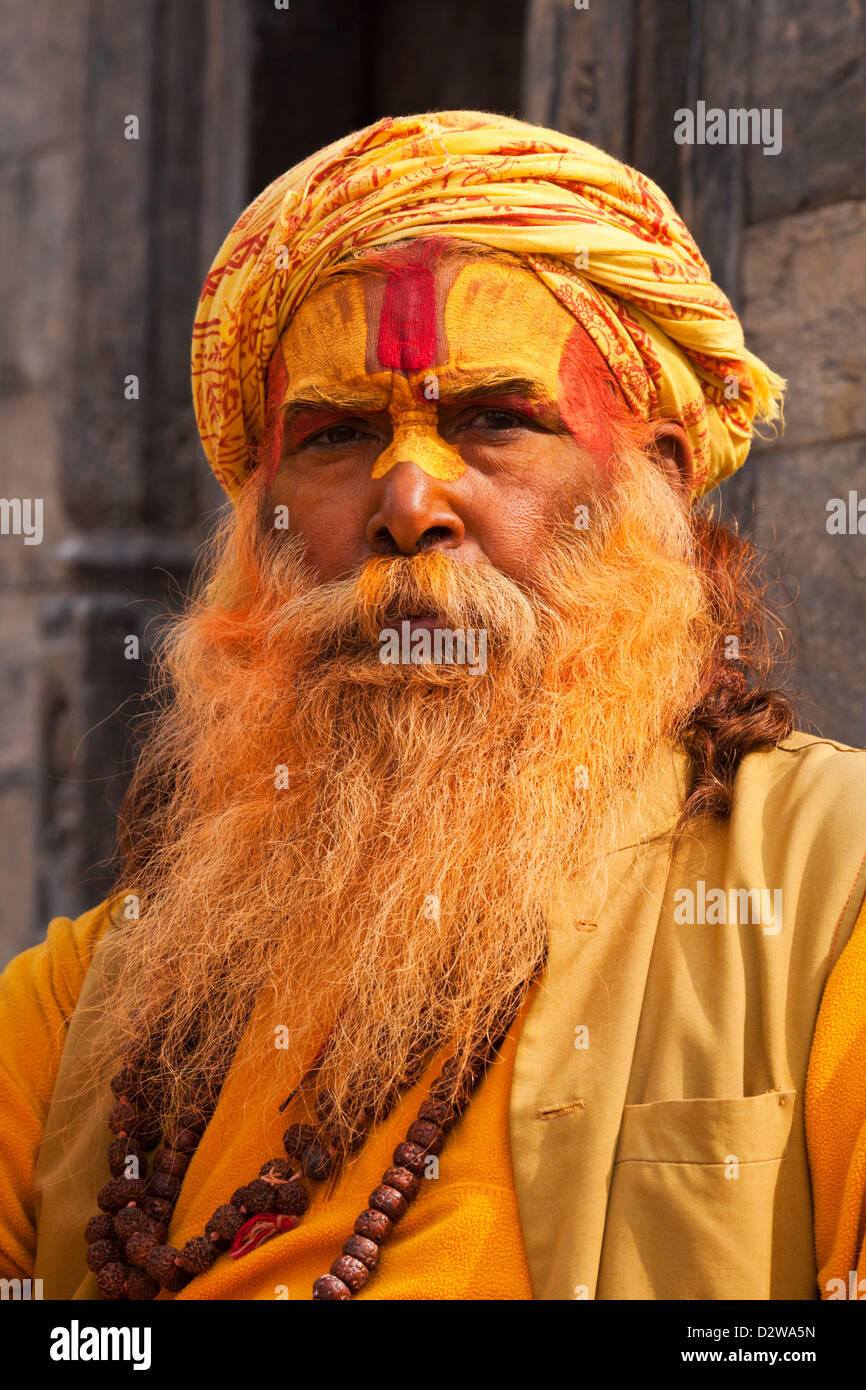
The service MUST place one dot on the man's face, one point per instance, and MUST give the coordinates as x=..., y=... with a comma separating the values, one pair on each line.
x=430, y=410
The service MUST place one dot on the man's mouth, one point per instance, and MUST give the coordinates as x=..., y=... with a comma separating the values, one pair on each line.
x=421, y=621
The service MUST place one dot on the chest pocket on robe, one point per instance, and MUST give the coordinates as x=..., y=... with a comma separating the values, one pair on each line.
x=693, y=1197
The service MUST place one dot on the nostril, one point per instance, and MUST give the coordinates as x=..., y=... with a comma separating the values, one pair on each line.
x=428, y=539
x=384, y=543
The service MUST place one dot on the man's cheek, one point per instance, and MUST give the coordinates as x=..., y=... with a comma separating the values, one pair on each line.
x=334, y=537
x=512, y=545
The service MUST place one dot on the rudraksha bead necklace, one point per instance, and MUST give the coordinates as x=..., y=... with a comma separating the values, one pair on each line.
x=127, y=1247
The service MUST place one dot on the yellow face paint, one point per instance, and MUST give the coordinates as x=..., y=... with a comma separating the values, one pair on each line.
x=405, y=345
x=416, y=437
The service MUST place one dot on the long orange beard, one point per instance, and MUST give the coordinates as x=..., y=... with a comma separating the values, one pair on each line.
x=375, y=845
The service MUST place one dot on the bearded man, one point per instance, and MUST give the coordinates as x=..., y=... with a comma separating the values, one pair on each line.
x=483, y=930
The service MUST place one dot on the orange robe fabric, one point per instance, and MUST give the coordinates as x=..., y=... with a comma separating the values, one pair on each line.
x=460, y=1239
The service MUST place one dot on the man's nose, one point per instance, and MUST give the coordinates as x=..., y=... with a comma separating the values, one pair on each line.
x=412, y=505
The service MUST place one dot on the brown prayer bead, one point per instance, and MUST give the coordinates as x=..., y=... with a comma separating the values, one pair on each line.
x=475, y=1066
x=158, y=1209
x=291, y=1199
x=198, y=1255
x=367, y=1251
x=184, y=1141
x=127, y=1249
x=438, y=1112
x=200, y=1095
x=139, y=1246
x=353, y=1273
x=99, y=1228
x=120, y=1149
x=148, y=1131
x=112, y=1280
x=277, y=1168
x=419, y=1054
x=479, y=1059
x=129, y=1220
x=374, y=1225
x=390, y=1201
x=122, y=1118
x=411, y=1156
x=124, y=1084
x=329, y=1288
x=162, y=1265
x=354, y=1139
x=164, y=1185
x=297, y=1139
x=131, y=1053
x=101, y=1253
x=427, y=1135
x=254, y=1197
x=118, y=1193
x=414, y=1069
x=316, y=1163
x=224, y=1225
x=126, y=1119
x=457, y=1097
x=140, y=1286
x=189, y=1117
x=403, y=1180
x=167, y=1161
x=386, y=1102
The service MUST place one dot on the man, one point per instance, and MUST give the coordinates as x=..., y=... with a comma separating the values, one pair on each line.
x=483, y=931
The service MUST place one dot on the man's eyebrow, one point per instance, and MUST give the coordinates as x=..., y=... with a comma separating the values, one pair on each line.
x=503, y=385
x=326, y=400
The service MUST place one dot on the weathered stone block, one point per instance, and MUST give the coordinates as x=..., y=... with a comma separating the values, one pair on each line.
x=18, y=777
x=804, y=298
x=89, y=678
x=37, y=201
x=577, y=72
x=711, y=183
x=827, y=574
x=810, y=61
x=40, y=88
x=19, y=645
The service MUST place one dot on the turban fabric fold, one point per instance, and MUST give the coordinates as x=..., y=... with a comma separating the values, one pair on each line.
x=601, y=236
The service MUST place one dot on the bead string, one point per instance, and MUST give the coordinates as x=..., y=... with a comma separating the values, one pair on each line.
x=127, y=1247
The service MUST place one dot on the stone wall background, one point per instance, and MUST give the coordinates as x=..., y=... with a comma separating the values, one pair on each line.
x=105, y=242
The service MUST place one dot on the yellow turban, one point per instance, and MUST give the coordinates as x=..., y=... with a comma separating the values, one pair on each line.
x=603, y=238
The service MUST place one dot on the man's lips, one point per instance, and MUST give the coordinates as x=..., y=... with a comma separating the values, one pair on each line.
x=420, y=621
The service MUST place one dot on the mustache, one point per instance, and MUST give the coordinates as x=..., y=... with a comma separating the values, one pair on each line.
x=346, y=617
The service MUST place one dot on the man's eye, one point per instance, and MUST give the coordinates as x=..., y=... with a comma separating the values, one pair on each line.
x=498, y=420
x=335, y=434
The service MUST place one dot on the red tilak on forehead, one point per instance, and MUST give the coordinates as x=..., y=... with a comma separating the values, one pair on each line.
x=407, y=328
